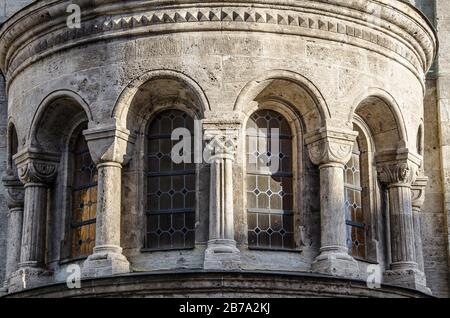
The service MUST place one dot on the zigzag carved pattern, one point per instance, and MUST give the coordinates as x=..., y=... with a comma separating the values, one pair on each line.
x=281, y=18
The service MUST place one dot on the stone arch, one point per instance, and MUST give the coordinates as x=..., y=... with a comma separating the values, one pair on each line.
x=54, y=120
x=158, y=88
x=382, y=115
x=293, y=89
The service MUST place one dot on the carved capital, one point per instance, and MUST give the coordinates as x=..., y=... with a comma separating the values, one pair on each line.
x=330, y=146
x=418, y=192
x=109, y=143
x=35, y=166
x=221, y=138
x=398, y=167
x=15, y=192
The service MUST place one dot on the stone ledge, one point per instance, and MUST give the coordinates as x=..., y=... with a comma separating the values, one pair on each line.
x=220, y=284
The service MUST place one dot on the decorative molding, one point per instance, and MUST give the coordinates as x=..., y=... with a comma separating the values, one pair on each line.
x=412, y=42
x=34, y=166
x=418, y=192
x=221, y=137
x=395, y=173
x=109, y=143
x=220, y=146
x=15, y=193
x=330, y=146
x=398, y=167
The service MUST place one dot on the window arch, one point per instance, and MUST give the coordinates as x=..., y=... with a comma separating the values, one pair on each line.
x=83, y=198
x=171, y=187
x=269, y=176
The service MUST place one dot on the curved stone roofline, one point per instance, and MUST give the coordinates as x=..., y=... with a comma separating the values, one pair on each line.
x=402, y=33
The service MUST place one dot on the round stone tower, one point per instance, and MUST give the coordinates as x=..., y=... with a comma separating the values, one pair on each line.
x=96, y=91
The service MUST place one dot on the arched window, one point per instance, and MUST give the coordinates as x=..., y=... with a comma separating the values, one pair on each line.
x=84, y=199
x=13, y=146
x=420, y=138
x=355, y=218
x=269, y=181
x=171, y=187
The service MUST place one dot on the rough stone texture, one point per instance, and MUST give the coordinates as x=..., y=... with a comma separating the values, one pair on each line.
x=233, y=285
x=233, y=61
x=4, y=208
x=443, y=102
x=7, y=8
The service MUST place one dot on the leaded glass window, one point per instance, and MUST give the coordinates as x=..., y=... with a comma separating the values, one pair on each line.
x=269, y=190
x=84, y=200
x=356, y=227
x=171, y=194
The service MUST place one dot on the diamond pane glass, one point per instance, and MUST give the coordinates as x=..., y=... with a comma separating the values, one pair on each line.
x=170, y=186
x=269, y=181
x=84, y=200
x=356, y=228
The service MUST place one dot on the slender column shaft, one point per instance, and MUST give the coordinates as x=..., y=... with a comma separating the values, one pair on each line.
x=229, y=205
x=108, y=145
x=398, y=171
x=215, y=204
x=221, y=252
x=331, y=150
x=108, y=207
x=332, y=201
x=14, y=240
x=402, y=235
x=418, y=238
x=418, y=199
x=34, y=225
x=221, y=201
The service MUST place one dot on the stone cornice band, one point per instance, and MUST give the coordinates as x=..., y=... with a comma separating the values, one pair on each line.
x=400, y=33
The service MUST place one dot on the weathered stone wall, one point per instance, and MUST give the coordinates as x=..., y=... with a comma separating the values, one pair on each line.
x=3, y=208
x=434, y=231
x=443, y=107
x=7, y=8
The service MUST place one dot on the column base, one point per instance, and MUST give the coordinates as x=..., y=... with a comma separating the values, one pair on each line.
x=105, y=261
x=336, y=263
x=222, y=255
x=28, y=277
x=409, y=278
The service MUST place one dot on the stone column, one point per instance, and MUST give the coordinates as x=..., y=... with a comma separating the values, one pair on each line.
x=418, y=198
x=108, y=147
x=221, y=252
x=37, y=171
x=15, y=199
x=396, y=171
x=331, y=150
